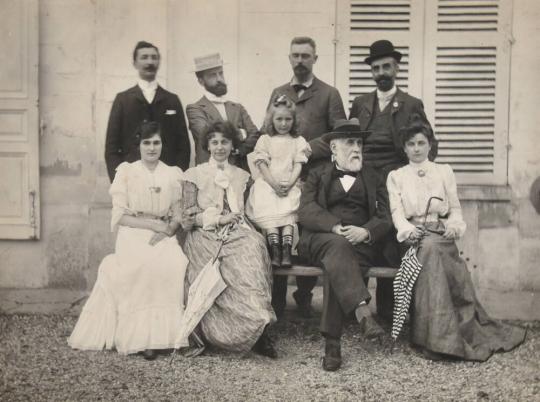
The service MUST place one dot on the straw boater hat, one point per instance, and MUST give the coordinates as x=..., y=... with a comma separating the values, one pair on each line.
x=207, y=62
x=345, y=129
x=382, y=48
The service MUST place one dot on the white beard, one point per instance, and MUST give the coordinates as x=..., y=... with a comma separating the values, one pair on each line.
x=349, y=165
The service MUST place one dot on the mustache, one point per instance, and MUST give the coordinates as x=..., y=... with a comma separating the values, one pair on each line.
x=300, y=68
x=383, y=78
x=150, y=67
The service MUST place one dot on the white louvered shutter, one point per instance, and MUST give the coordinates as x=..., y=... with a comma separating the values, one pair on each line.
x=467, y=60
x=362, y=22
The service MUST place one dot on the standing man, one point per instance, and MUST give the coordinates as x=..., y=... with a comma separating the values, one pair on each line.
x=344, y=213
x=214, y=106
x=384, y=112
x=318, y=106
x=146, y=101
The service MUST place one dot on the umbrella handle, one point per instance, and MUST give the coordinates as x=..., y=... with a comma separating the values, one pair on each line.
x=427, y=208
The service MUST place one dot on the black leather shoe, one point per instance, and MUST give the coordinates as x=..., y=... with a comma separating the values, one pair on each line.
x=265, y=347
x=149, y=354
x=276, y=255
x=304, y=304
x=369, y=327
x=286, y=256
x=332, y=355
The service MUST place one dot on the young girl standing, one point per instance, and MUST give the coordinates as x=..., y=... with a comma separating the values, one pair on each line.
x=275, y=165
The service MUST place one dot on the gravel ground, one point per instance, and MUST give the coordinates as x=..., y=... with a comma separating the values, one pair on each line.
x=36, y=364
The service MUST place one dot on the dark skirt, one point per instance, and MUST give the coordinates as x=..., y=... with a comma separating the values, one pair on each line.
x=446, y=316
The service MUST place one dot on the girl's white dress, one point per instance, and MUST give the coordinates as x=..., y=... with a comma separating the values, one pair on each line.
x=264, y=207
x=138, y=299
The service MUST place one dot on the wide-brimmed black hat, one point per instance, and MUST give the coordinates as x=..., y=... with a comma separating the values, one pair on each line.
x=345, y=129
x=382, y=48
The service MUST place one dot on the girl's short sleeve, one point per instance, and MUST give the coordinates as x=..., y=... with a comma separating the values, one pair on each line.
x=303, y=151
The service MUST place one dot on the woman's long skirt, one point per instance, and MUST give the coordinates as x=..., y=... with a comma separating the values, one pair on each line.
x=446, y=317
x=137, y=302
x=239, y=315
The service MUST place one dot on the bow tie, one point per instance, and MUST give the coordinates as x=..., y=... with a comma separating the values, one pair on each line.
x=341, y=173
x=299, y=87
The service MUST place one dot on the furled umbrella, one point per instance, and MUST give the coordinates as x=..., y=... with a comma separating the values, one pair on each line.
x=202, y=293
x=404, y=281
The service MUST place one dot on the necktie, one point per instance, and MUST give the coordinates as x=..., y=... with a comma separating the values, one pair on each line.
x=299, y=87
x=341, y=173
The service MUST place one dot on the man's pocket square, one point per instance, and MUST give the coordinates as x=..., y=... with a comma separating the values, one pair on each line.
x=170, y=112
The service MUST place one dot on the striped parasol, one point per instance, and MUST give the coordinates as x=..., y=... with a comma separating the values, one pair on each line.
x=403, y=287
x=405, y=279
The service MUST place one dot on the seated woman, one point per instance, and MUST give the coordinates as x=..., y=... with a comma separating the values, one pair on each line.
x=137, y=302
x=446, y=317
x=239, y=316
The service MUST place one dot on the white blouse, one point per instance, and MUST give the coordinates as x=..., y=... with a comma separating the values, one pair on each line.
x=212, y=184
x=137, y=190
x=410, y=188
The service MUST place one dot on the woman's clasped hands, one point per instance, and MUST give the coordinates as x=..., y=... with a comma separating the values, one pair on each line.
x=232, y=217
x=162, y=230
x=416, y=235
x=281, y=188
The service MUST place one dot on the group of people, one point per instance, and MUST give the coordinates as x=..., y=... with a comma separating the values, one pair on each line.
x=357, y=188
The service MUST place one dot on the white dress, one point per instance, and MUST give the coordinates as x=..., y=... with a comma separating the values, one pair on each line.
x=138, y=299
x=264, y=207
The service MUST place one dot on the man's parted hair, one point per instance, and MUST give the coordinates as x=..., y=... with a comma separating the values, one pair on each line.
x=301, y=40
x=143, y=45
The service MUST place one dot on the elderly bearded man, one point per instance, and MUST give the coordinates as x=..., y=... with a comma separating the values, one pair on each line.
x=344, y=212
x=384, y=112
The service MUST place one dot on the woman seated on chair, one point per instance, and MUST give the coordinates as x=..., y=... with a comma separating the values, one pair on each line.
x=446, y=317
x=137, y=302
x=238, y=319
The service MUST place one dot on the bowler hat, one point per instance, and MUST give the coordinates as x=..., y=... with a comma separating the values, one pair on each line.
x=345, y=129
x=207, y=62
x=382, y=48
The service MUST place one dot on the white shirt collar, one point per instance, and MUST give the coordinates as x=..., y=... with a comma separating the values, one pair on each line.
x=147, y=85
x=307, y=84
x=213, y=98
x=388, y=94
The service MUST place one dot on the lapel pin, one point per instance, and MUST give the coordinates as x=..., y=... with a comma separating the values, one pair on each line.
x=395, y=104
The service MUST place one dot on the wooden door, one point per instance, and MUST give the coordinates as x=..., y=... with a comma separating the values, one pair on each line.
x=19, y=128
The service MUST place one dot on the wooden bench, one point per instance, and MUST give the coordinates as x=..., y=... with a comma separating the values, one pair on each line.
x=307, y=270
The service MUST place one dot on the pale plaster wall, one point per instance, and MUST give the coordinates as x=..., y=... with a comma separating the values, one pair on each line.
x=85, y=59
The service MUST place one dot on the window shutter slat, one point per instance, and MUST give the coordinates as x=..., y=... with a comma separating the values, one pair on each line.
x=370, y=15
x=455, y=15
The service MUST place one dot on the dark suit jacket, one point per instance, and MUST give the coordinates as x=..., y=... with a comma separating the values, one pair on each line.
x=403, y=108
x=129, y=110
x=203, y=114
x=316, y=110
x=313, y=213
